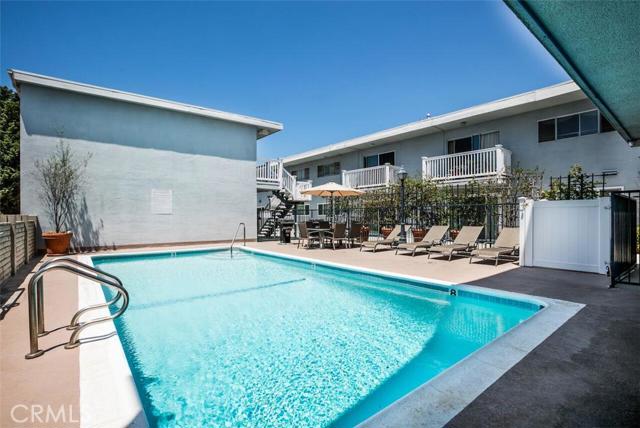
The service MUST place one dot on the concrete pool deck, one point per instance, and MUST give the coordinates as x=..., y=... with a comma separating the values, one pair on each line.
x=586, y=373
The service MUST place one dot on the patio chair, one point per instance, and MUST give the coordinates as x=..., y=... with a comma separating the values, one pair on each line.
x=339, y=234
x=388, y=241
x=355, y=233
x=434, y=236
x=323, y=224
x=507, y=243
x=464, y=242
x=305, y=235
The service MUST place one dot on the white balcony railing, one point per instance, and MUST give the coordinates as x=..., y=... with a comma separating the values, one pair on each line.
x=494, y=162
x=272, y=175
x=368, y=178
x=300, y=186
x=269, y=173
x=288, y=182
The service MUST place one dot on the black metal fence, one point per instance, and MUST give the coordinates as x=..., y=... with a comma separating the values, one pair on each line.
x=625, y=231
x=456, y=206
x=493, y=216
x=578, y=186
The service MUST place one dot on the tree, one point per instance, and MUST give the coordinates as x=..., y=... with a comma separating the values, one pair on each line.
x=9, y=151
x=61, y=178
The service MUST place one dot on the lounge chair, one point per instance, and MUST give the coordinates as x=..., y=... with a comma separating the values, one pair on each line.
x=339, y=234
x=355, y=233
x=389, y=240
x=434, y=236
x=464, y=242
x=305, y=235
x=507, y=243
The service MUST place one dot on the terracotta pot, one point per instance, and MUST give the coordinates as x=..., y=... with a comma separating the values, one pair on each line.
x=454, y=233
x=418, y=233
x=57, y=242
x=385, y=230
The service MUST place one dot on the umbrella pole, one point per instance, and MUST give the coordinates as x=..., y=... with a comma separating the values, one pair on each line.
x=333, y=210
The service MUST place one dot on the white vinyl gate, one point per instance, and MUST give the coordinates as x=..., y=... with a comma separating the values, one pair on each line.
x=573, y=235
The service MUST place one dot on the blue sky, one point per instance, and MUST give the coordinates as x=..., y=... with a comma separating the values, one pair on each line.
x=328, y=71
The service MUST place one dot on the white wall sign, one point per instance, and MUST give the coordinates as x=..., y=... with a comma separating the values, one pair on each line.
x=161, y=201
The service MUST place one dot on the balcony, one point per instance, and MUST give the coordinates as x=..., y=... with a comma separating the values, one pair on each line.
x=272, y=175
x=491, y=163
x=371, y=178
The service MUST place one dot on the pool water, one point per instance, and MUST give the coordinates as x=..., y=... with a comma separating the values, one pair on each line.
x=258, y=341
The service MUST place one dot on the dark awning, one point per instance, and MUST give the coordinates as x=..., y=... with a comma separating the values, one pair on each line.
x=598, y=44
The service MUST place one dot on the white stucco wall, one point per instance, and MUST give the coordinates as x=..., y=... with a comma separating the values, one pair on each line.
x=208, y=164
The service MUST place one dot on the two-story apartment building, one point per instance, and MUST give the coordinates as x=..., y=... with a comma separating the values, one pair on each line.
x=551, y=128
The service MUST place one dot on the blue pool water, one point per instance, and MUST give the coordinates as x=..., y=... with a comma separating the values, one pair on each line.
x=265, y=341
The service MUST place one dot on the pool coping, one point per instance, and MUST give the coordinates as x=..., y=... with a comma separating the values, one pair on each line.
x=432, y=404
x=108, y=394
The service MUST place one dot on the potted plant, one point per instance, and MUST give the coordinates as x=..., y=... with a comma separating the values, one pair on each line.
x=385, y=230
x=61, y=178
x=453, y=233
x=418, y=233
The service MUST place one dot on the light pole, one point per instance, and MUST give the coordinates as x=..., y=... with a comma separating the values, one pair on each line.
x=402, y=175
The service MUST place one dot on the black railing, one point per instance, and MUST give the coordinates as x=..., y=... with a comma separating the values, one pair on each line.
x=625, y=232
x=578, y=186
x=493, y=217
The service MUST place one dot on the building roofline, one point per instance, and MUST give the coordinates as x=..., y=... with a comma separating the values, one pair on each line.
x=264, y=127
x=520, y=103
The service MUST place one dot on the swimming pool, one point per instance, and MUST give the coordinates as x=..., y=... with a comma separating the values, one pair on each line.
x=267, y=341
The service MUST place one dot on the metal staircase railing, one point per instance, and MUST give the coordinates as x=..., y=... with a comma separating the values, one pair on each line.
x=36, y=301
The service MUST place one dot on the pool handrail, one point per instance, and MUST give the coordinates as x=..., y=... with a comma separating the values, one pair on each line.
x=75, y=320
x=36, y=303
x=244, y=236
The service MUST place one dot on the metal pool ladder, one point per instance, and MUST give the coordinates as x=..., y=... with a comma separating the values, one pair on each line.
x=36, y=301
x=244, y=236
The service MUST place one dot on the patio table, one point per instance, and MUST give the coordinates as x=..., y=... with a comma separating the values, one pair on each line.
x=320, y=232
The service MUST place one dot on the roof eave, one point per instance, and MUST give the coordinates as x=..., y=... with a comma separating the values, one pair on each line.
x=263, y=127
x=560, y=93
x=530, y=19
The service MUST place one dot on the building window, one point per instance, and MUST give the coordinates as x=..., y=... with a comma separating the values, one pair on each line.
x=387, y=158
x=589, y=122
x=380, y=159
x=371, y=161
x=329, y=169
x=546, y=130
x=473, y=142
x=303, y=209
x=605, y=126
x=585, y=123
x=567, y=126
x=323, y=209
x=303, y=174
x=465, y=144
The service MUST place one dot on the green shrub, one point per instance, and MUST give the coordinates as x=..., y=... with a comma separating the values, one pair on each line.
x=576, y=185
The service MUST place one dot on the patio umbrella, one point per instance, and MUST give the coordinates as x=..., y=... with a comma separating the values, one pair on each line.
x=332, y=190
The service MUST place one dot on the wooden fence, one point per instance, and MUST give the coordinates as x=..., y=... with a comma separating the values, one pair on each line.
x=17, y=243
